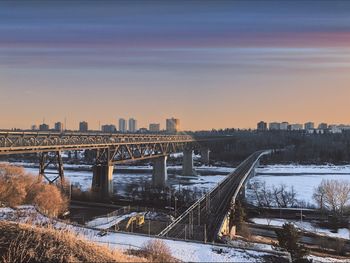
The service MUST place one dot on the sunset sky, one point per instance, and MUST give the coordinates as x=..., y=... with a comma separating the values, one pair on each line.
x=211, y=64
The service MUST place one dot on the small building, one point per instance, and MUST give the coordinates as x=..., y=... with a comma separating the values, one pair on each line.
x=44, y=127
x=172, y=125
x=323, y=126
x=274, y=126
x=262, y=126
x=59, y=126
x=154, y=127
x=284, y=126
x=295, y=127
x=83, y=126
x=309, y=126
x=108, y=128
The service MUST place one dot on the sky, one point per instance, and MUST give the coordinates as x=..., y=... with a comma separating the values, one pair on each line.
x=212, y=64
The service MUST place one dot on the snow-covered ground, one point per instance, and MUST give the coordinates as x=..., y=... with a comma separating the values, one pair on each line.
x=306, y=226
x=185, y=251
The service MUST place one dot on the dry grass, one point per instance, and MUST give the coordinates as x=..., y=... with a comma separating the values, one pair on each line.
x=25, y=243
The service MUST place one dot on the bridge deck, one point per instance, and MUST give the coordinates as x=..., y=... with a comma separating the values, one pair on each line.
x=203, y=220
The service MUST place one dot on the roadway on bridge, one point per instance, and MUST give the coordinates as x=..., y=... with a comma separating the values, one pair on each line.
x=203, y=220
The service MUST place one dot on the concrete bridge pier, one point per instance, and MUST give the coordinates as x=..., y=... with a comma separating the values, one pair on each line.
x=160, y=173
x=187, y=163
x=205, y=155
x=102, y=179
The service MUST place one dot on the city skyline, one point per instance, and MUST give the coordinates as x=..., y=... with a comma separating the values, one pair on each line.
x=173, y=124
x=228, y=64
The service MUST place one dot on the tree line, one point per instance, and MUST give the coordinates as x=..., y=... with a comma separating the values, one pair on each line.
x=300, y=147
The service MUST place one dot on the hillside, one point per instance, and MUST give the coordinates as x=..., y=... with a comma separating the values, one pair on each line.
x=27, y=243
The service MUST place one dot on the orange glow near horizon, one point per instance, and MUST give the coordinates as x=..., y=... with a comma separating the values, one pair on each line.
x=224, y=65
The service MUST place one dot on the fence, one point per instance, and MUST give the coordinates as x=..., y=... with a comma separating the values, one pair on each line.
x=106, y=219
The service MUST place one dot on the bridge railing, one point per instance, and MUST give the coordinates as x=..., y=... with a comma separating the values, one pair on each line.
x=238, y=189
x=194, y=205
x=207, y=195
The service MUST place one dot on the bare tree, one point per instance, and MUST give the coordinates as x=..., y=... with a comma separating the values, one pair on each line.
x=319, y=195
x=333, y=195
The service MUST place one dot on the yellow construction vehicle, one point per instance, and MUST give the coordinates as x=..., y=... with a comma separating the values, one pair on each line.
x=139, y=220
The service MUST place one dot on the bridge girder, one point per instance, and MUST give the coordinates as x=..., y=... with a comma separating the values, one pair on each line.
x=29, y=142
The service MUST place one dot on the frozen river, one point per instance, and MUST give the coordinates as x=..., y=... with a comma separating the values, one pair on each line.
x=121, y=180
x=303, y=178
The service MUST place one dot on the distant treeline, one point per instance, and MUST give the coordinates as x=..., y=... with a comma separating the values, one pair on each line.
x=300, y=147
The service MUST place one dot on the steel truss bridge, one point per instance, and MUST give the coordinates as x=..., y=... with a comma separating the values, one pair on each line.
x=207, y=219
x=110, y=148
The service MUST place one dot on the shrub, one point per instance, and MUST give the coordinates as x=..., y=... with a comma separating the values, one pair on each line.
x=50, y=200
x=157, y=251
x=17, y=188
x=288, y=238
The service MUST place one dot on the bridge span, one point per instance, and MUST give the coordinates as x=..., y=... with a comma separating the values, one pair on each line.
x=110, y=149
x=211, y=217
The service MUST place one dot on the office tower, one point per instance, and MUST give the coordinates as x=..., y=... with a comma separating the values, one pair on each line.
x=132, y=125
x=122, y=125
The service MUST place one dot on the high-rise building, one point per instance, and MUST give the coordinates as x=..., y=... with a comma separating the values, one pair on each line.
x=262, y=126
x=284, y=126
x=59, y=126
x=274, y=125
x=132, y=125
x=83, y=126
x=44, y=127
x=34, y=127
x=108, y=128
x=309, y=126
x=172, y=125
x=122, y=125
x=154, y=127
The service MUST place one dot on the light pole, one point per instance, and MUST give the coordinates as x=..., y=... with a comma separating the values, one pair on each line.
x=175, y=199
